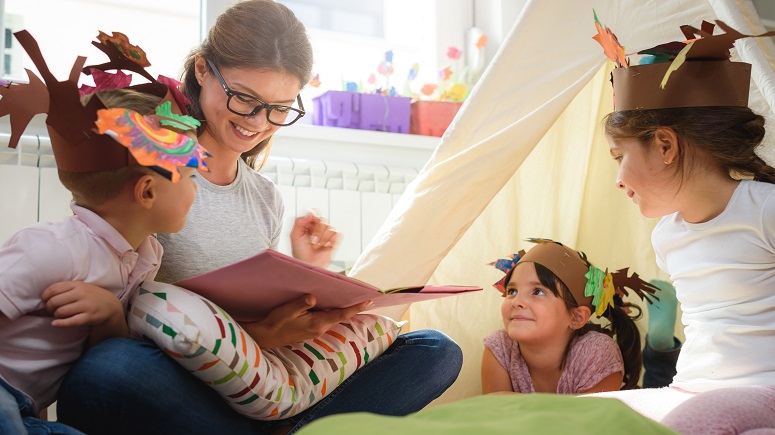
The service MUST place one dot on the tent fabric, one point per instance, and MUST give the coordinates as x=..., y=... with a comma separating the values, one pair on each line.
x=526, y=157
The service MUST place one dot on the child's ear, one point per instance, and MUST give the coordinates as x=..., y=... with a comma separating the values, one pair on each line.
x=580, y=316
x=145, y=191
x=666, y=141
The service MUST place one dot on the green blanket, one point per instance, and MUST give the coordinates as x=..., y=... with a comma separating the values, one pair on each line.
x=500, y=414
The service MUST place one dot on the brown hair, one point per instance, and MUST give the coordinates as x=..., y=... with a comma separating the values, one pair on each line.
x=259, y=34
x=622, y=326
x=92, y=189
x=726, y=136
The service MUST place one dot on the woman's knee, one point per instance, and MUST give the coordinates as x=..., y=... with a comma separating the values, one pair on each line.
x=438, y=349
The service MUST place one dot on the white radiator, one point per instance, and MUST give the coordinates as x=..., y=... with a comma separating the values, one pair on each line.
x=354, y=197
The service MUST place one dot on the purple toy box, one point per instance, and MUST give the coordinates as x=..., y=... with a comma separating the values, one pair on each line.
x=362, y=111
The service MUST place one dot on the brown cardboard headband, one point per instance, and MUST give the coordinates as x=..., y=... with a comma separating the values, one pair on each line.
x=699, y=83
x=566, y=264
x=696, y=72
x=77, y=146
x=589, y=286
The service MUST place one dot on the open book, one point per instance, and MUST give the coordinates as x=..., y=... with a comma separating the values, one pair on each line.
x=250, y=288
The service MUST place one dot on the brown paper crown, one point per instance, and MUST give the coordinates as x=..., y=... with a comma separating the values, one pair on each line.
x=573, y=269
x=693, y=73
x=565, y=263
x=76, y=144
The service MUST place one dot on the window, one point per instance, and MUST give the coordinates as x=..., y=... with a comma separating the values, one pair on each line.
x=363, y=18
x=350, y=38
x=167, y=30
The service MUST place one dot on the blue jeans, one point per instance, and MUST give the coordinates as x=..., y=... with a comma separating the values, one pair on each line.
x=130, y=386
x=17, y=415
x=659, y=365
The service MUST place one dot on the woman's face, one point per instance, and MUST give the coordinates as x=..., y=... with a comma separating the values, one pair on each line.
x=229, y=130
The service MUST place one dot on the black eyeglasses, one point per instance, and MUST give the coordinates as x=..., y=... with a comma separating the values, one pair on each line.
x=243, y=104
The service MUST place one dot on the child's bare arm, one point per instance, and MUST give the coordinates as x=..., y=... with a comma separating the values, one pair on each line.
x=612, y=382
x=494, y=377
x=76, y=303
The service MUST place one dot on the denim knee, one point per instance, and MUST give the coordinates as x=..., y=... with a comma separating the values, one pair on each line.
x=443, y=353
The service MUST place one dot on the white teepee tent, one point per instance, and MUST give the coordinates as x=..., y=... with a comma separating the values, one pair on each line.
x=526, y=157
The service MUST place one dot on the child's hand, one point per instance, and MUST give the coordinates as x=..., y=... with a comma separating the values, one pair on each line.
x=293, y=322
x=76, y=303
x=313, y=240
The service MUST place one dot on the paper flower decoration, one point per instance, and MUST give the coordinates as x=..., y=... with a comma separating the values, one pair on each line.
x=385, y=68
x=457, y=92
x=453, y=82
x=174, y=87
x=428, y=89
x=121, y=42
x=413, y=71
x=454, y=53
x=149, y=142
x=611, y=47
x=505, y=265
x=179, y=122
x=315, y=81
x=445, y=73
x=104, y=81
x=481, y=41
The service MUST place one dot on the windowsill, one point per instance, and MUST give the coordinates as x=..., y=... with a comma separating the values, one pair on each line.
x=337, y=134
x=316, y=142
x=298, y=141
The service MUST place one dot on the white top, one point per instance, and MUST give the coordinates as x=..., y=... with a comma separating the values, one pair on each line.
x=724, y=274
x=226, y=224
x=35, y=356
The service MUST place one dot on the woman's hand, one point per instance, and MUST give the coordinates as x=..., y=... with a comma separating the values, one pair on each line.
x=313, y=240
x=295, y=322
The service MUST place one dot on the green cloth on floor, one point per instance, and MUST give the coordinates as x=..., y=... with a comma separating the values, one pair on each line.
x=500, y=414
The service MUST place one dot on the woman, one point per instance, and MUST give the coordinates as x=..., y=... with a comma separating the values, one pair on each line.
x=243, y=83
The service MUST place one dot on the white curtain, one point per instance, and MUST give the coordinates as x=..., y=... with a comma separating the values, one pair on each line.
x=526, y=157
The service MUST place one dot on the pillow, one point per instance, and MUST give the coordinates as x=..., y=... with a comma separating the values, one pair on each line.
x=264, y=384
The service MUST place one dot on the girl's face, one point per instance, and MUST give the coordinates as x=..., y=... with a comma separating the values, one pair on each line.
x=231, y=131
x=532, y=314
x=645, y=177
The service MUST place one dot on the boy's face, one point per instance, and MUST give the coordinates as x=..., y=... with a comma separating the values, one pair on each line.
x=174, y=201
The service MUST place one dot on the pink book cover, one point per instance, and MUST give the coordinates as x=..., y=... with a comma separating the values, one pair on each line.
x=251, y=288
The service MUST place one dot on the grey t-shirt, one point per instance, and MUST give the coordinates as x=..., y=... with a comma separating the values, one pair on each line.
x=226, y=224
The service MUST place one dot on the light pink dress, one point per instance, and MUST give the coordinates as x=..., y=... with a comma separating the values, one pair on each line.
x=592, y=357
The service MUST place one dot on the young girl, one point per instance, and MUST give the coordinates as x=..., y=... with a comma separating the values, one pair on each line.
x=548, y=344
x=685, y=143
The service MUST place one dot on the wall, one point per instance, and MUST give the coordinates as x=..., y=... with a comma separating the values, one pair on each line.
x=352, y=177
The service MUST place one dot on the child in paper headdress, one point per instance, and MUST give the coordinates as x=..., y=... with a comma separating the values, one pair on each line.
x=548, y=344
x=64, y=286
x=685, y=142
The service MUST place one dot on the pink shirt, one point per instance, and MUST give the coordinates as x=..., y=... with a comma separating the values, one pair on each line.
x=34, y=356
x=592, y=357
